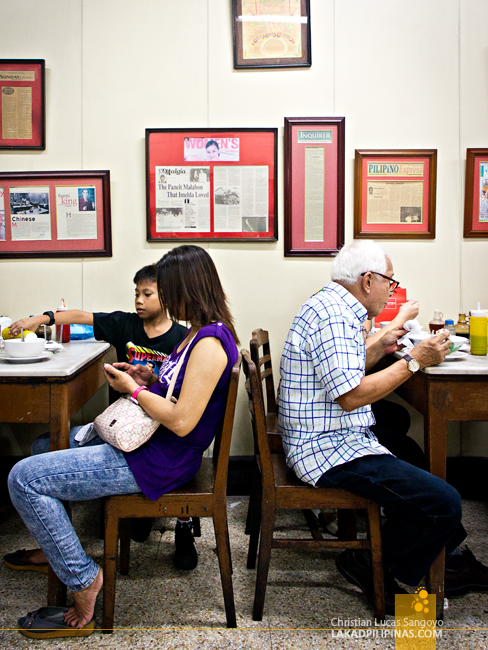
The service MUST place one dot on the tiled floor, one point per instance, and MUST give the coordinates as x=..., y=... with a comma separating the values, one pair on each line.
x=160, y=607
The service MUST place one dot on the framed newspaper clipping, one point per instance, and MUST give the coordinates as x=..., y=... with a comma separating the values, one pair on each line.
x=211, y=184
x=271, y=33
x=314, y=186
x=394, y=194
x=55, y=214
x=22, y=105
x=476, y=194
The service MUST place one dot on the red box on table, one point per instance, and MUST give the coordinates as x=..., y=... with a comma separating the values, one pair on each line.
x=395, y=301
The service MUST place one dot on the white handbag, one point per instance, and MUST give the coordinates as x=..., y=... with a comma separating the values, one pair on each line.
x=125, y=424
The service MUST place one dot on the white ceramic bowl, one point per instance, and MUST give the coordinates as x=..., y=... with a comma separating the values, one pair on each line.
x=24, y=349
x=456, y=341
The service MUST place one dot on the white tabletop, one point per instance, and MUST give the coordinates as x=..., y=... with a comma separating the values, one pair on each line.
x=461, y=363
x=64, y=363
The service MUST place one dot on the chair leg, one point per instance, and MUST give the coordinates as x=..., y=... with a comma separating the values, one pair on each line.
x=254, y=515
x=124, y=534
x=346, y=525
x=109, y=567
x=313, y=524
x=225, y=565
x=374, y=532
x=267, y=530
x=197, y=531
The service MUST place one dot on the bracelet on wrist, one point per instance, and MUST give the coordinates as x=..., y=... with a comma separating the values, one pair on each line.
x=50, y=315
x=136, y=393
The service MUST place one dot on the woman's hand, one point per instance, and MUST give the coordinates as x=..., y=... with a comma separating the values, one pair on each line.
x=118, y=380
x=140, y=374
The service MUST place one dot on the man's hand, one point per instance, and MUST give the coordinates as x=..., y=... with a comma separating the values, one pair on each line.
x=140, y=374
x=408, y=311
x=389, y=340
x=432, y=351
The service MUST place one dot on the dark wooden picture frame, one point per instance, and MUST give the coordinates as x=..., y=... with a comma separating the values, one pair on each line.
x=52, y=211
x=476, y=194
x=395, y=194
x=281, y=43
x=314, y=186
x=211, y=184
x=23, y=104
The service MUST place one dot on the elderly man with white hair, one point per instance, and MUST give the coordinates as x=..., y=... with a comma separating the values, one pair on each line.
x=325, y=420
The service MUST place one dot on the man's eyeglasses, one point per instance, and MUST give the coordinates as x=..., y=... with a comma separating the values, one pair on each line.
x=393, y=283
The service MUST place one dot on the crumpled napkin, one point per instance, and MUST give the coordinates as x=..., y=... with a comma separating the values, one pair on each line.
x=412, y=327
x=53, y=346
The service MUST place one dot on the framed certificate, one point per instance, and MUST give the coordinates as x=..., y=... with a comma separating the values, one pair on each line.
x=394, y=194
x=314, y=186
x=271, y=33
x=22, y=105
x=476, y=194
x=211, y=184
x=55, y=214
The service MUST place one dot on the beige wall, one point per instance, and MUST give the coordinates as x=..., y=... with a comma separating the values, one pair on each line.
x=404, y=73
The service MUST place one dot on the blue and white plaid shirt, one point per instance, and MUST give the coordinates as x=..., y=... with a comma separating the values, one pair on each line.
x=324, y=358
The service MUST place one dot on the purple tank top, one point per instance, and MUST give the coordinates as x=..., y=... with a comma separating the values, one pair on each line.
x=167, y=461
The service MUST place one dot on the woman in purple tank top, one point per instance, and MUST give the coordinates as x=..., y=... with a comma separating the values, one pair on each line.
x=190, y=290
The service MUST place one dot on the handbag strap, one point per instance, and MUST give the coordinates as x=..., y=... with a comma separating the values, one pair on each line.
x=176, y=372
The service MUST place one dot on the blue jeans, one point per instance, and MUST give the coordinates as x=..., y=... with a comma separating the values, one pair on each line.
x=423, y=512
x=38, y=485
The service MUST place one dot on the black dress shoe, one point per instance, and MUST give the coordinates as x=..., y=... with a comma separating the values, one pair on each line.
x=469, y=575
x=353, y=568
x=186, y=556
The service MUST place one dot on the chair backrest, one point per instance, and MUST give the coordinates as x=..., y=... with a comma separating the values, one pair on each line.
x=221, y=449
x=258, y=417
x=260, y=339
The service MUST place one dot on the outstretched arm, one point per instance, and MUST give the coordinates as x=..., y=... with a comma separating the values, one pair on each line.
x=69, y=317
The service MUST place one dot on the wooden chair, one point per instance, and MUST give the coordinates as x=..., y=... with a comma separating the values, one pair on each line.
x=281, y=489
x=204, y=496
x=261, y=356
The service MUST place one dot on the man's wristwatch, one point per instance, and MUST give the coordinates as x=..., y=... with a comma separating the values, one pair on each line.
x=412, y=364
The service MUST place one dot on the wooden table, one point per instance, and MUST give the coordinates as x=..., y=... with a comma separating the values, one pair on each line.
x=50, y=392
x=455, y=390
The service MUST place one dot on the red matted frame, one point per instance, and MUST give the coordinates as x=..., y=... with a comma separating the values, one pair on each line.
x=15, y=202
x=476, y=193
x=225, y=191
x=312, y=231
x=379, y=172
x=27, y=127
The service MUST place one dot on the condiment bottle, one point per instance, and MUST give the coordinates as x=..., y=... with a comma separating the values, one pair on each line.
x=462, y=327
x=449, y=326
x=44, y=332
x=478, y=332
x=437, y=323
x=62, y=331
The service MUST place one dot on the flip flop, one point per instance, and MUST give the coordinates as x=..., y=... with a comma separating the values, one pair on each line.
x=48, y=623
x=18, y=562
